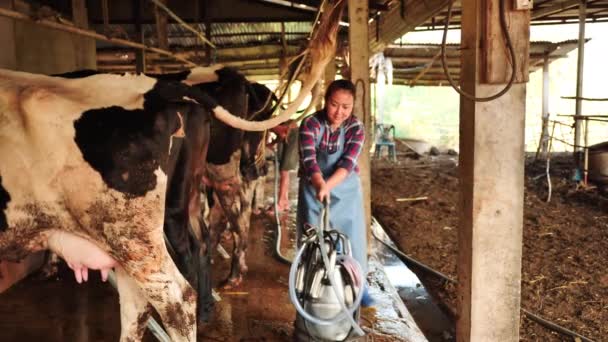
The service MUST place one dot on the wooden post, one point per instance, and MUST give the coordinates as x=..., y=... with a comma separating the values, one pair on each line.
x=79, y=14
x=140, y=57
x=491, y=182
x=359, y=72
x=161, y=33
x=8, y=55
x=161, y=26
x=582, y=14
x=207, y=18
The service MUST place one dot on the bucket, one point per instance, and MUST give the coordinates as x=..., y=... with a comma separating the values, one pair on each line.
x=598, y=163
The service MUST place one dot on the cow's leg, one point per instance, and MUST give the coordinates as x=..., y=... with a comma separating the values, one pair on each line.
x=237, y=208
x=169, y=293
x=205, y=299
x=134, y=308
x=217, y=223
x=145, y=259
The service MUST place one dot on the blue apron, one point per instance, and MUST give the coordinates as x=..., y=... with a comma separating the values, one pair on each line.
x=346, y=202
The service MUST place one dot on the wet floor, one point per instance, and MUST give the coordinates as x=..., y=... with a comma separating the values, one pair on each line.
x=436, y=326
x=259, y=310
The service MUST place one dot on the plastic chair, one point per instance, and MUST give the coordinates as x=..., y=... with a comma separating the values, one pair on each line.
x=385, y=136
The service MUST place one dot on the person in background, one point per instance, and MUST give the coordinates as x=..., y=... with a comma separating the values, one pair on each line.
x=287, y=153
x=331, y=141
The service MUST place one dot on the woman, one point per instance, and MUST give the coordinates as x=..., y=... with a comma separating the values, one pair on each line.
x=330, y=143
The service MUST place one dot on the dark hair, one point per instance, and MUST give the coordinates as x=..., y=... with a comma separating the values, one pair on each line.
x=340, y=85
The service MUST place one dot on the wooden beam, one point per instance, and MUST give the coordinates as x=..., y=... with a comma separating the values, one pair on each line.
x=578, y=109
x=79, y=14
x=140, y=59
x=182, y=22
x=393, y=25
x=358, y=35
x=87, y=33
x=555, y=8
x=491, y=168
x=161, y=26
x=425, y=70
x=496, y=59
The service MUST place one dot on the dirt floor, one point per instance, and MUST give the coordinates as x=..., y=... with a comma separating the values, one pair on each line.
x=564, y=274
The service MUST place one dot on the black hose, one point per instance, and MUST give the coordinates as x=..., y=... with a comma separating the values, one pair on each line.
x=503, y=25
x=547, y=324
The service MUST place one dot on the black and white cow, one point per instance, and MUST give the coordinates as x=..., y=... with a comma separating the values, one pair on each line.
x=84, y=169
x=235, y=162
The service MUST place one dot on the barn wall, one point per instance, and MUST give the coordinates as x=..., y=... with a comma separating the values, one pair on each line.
x=32, y=48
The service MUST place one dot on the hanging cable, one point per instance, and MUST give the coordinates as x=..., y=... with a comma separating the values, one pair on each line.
x=503, y=25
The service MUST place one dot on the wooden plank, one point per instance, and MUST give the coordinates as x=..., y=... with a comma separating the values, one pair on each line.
x=393, y=24
x=425, y=70
x=495, y=59
x=79, y=14
x=491, y=211
x=358, y=34
x=8, y=57
x=161, y=26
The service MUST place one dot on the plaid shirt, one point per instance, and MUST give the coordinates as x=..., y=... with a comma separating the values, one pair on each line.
x=310, y=128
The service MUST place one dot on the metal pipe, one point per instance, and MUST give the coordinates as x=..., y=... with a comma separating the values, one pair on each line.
x=88, y=33
x=586, y=151
x=545, y=115
x=548, y=166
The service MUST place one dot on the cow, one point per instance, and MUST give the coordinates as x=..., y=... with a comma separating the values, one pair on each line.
x=235, y=162
x=185, y=164
x=85, y=163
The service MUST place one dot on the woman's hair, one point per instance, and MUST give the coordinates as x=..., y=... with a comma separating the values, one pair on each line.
x=340, y=85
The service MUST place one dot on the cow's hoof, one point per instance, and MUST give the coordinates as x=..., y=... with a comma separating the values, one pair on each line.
x=232, y=283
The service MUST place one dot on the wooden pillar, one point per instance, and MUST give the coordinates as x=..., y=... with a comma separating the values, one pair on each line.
x=161, y=26
x=79, y=14
x=140, y=57
x=207, y=17
x=582, y=15
x=162, y=35
x=359, y=72
x=491, y=175
x=8, y=53
x=544, y=141
x=81, y=20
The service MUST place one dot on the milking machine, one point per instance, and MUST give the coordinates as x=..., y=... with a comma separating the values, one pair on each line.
x=326, y=285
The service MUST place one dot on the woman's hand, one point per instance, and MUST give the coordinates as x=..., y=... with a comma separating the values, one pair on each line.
x=320, y=186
